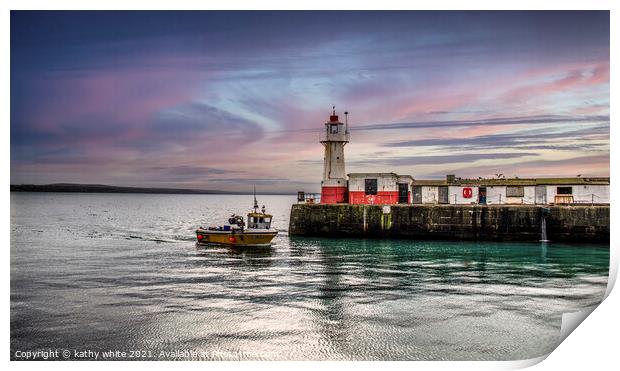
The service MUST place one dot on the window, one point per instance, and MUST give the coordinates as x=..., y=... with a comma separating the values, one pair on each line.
x=417, y=195
x=514, y=191
x=565, y=190
x=370, y=186
x=333, y=128
x=442, y=195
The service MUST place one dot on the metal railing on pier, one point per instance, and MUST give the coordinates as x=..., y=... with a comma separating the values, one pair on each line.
x=308, y=198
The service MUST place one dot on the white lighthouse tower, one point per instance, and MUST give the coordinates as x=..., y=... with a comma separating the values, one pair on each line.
x=334, y=184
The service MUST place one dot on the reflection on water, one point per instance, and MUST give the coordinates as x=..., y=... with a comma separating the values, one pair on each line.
x=120, y=272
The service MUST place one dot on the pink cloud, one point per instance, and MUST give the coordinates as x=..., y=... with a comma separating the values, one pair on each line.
x=583, y=77
x=130, y=96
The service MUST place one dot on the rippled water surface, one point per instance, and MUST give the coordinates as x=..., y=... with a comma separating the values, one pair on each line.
x=121, y=272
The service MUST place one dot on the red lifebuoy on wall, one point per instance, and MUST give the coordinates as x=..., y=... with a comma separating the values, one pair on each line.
x=232, y=239
x=467, y=192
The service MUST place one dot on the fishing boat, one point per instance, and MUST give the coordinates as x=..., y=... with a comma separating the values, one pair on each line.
x=258, y=232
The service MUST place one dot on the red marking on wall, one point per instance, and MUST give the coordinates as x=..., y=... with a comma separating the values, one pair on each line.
x=381, y=198
x=467, y=192
x=333, y=195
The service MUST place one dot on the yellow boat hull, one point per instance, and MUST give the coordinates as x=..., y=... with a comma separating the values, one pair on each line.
x=242, y=239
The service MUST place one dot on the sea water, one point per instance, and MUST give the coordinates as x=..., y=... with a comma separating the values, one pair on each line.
x=118, y=276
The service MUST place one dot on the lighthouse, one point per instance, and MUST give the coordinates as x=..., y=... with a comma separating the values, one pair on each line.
x=334, y=138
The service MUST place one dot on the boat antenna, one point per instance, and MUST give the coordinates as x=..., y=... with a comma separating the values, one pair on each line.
x=255, y=202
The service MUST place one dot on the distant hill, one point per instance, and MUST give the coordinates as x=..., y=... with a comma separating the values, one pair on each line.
x=101, y=188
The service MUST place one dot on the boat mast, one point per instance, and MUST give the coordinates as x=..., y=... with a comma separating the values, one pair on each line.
x=255, y=202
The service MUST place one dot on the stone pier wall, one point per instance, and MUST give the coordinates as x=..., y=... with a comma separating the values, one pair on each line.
x=453, y=222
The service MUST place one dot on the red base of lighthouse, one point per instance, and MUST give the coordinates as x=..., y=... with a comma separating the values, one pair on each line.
x=333, y=195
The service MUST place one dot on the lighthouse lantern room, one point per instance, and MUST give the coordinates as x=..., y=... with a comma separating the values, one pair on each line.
x=334, y=184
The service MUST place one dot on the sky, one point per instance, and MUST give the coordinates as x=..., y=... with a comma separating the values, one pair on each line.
x=228, y=100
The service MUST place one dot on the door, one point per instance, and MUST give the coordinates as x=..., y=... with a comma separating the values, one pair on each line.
x=417, y=195
x=443, y=195
x=482, y=195
x=403, y=193
x=541, y=195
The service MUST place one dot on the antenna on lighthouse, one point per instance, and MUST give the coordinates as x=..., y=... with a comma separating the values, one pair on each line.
x=346, y=122
x=334, y=110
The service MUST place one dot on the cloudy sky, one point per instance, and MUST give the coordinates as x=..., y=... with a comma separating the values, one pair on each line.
x=225, y=100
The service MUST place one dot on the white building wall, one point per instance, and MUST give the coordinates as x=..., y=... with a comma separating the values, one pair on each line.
x=387, y=183
x=529, y=195
x=384, y=183
x=551, y=192
x=356, y=184
x=430, y=194
x=582, y=193
x=495, y=195
x=458, y=191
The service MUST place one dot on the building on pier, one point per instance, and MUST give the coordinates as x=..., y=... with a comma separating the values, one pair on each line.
x=529, y=191
x=390, y=188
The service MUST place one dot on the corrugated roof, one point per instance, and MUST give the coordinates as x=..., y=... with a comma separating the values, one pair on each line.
x=496, y=182
x=430, y=182
x=513, y=181
x=371, y=174
x=600, y=180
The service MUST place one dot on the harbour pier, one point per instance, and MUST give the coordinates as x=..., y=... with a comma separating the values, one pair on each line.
x=587, y=223
x=389, y=205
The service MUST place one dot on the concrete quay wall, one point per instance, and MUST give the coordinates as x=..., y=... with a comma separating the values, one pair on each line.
x=452, y=222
